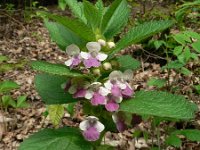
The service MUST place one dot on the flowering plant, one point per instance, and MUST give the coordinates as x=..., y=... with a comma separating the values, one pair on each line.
x=96, y=77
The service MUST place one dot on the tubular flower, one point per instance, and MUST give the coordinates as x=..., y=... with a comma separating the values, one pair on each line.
x=93, y=58
x=91, y=128
x=97, y=94
x=73, y=52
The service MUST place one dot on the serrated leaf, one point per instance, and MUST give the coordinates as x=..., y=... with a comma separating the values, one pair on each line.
x=196, y=46
x=56, y=69
x=192, y=34
x=185, y=71
x=62, y=36
x=56, y=113
x=161, y=104
x=92, y=15
x=6, y=86
x=115, y=18
x=173, y=140
x=99, y=5
x=74, y=25
x=49, y=88
x=156, y=82
x=141, y=32
x=56, y=139
x=76, y=8
x=127, y=62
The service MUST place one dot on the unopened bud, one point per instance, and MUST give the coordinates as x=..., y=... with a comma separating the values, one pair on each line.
x=96, y=72
x=111, y=44
x=107, y=66
x=102, y=42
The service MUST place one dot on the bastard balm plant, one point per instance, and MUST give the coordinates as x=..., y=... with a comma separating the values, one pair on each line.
x=97, y=78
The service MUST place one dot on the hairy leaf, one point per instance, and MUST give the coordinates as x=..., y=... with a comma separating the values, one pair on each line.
x=56, y=139
x=77, y=9
x=92, y=15
x=156, y=82
x=56, y=69
x=115, y=18
x=74, y=25
x=49, y=88
x=62, y=36
x=190, y=134
x=141, y=32
x=161, y=104
x=173, y=140
x=56, y=113
x=127, y=62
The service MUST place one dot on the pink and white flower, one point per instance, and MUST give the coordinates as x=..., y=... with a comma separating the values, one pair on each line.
x=73, y=52
x=91, y=128
x=93, y=58
x=97, y=94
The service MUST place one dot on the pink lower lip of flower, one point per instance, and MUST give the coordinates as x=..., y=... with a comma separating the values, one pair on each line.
x=121, y=126
x=116, y=91
x=76, y=61
x=80, y=93
x=91, y=62
x=91, y=134
x=98, y=99
x=112, y=106
x=127, y=92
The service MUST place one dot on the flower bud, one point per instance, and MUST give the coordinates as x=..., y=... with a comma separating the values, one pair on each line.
x=102, y=42
x=111, y=44
x=96, y=72
x=107, y=66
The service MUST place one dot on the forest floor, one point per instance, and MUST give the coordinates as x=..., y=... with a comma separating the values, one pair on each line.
x=31, y=41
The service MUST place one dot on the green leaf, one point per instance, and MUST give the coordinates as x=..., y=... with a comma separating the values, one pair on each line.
x=5, y=100
x=173, y=140
x=197, y=88
x=141, y=32
x=156, y=82
x=101, y=10
x=115, y=18
x=161, y=104
x=74, y=25
x=105, y=147
x=190, y=134
x=70, y=108
x=196, y=46
x=56, y=69
x=49, y=88
x=21, y=102
x=62, y=4
x=177, y=50
x=56, y=113
x=173, y=65
x=92, y=15
x=192, y=34
x=185, y=71
x=7, y=86
x=182, y=38
x=62, y=36
x=56, y=139
x=3, y=58
x=76, y=8
x=127, y=62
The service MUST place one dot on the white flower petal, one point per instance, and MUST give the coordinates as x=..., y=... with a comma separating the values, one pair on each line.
x=85, y=55
x=89, y=94
x=93, y=46
x=104, y=91
x=101, y=56
x=108, y=85
x=72, y=50
x=84, y=125
x=99, y=126
x=114, y=117
x=128, y=75
x=121, y=85
x=92, y=117
x=119, y=99
x=69, y=62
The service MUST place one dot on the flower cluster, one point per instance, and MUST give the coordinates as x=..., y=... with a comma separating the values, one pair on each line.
x=92, y=58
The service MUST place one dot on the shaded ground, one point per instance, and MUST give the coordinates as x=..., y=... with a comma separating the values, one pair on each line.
x=31, y=42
